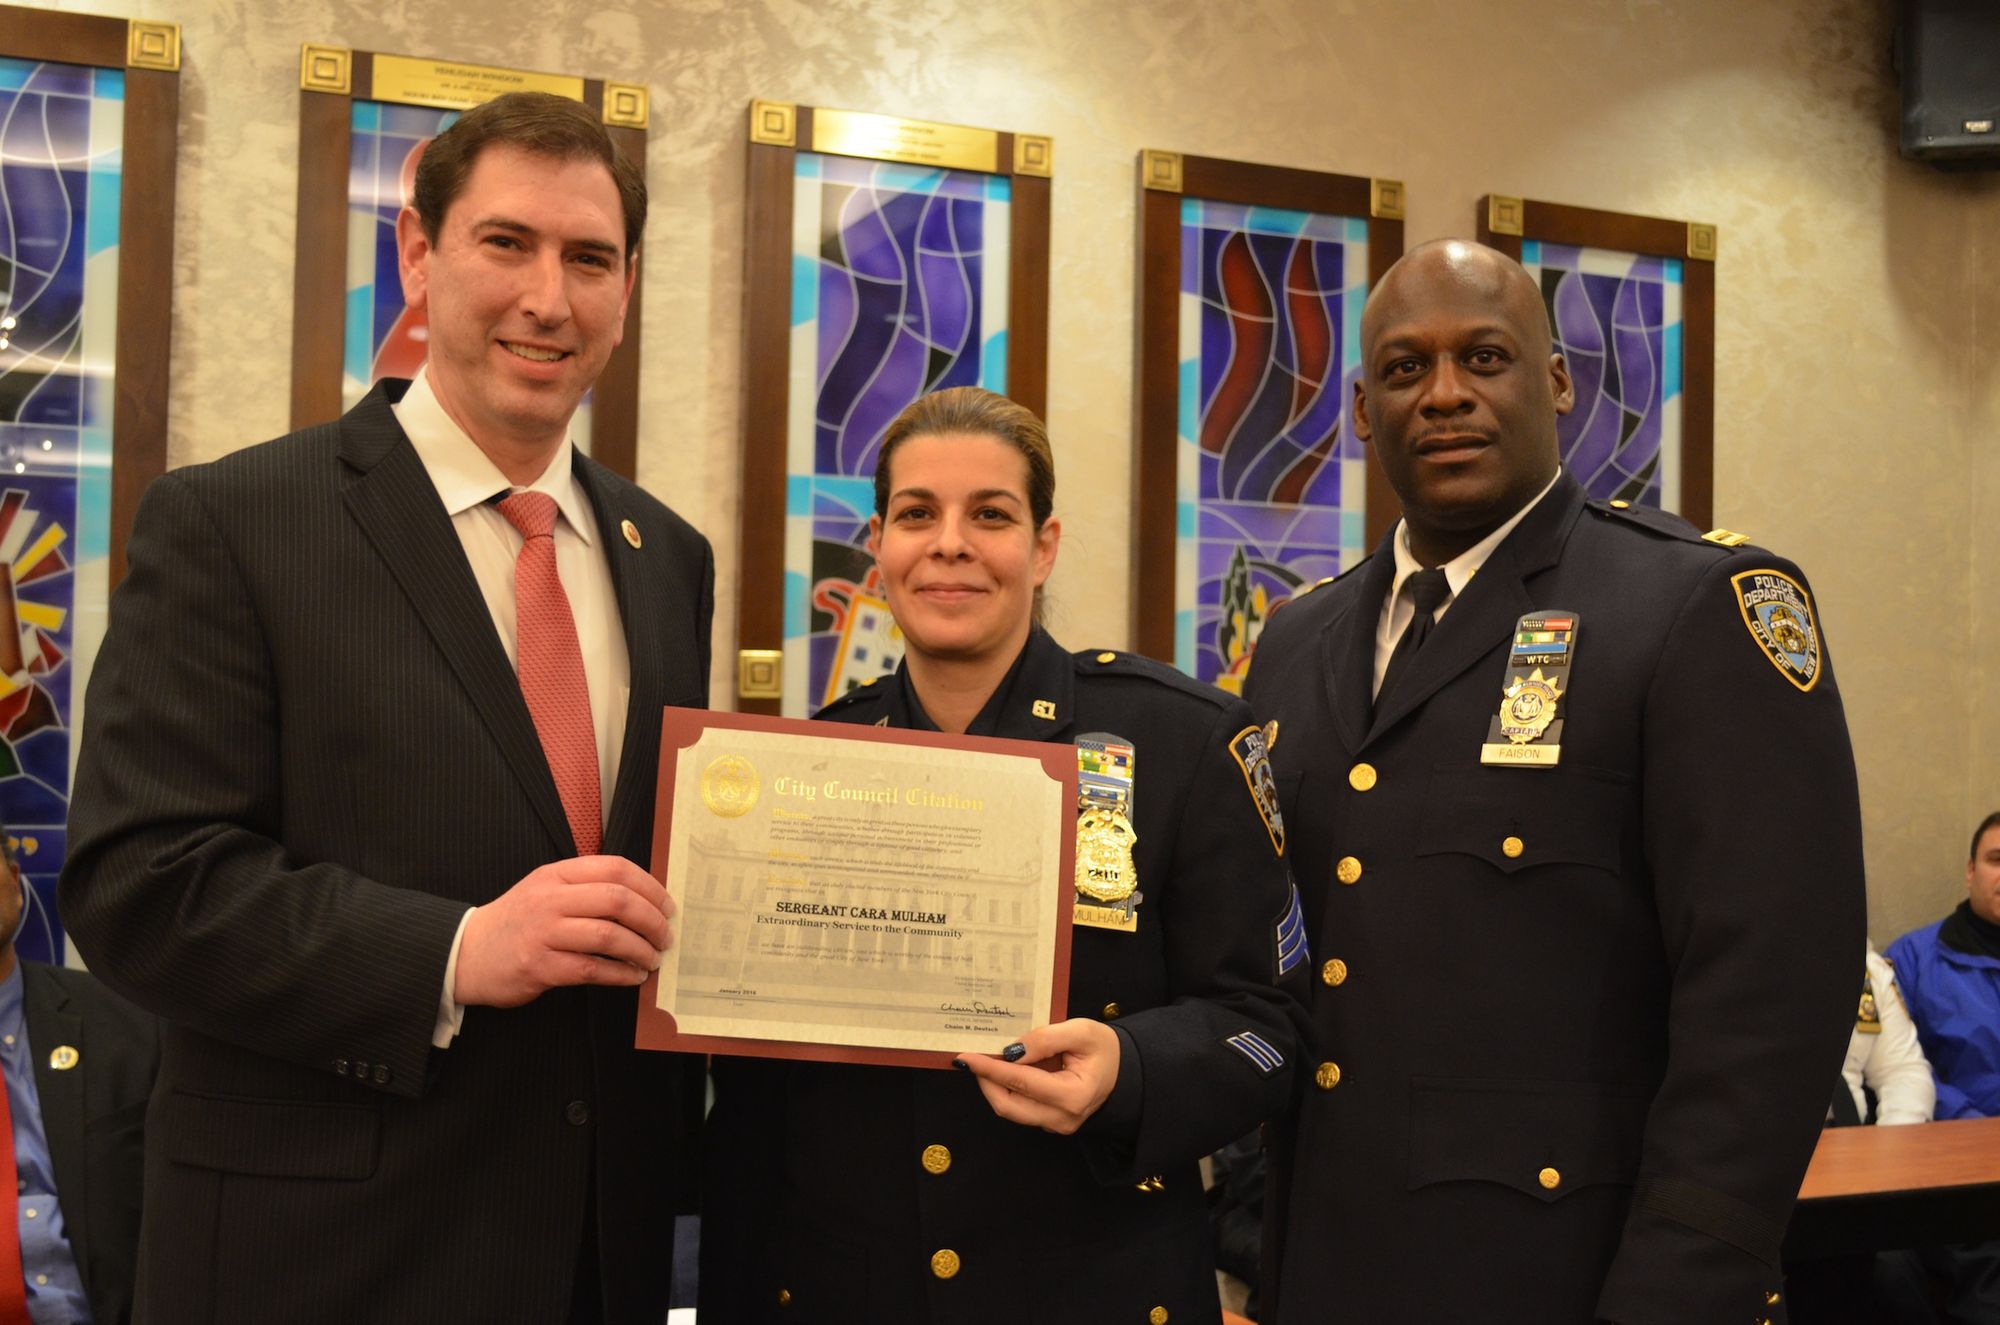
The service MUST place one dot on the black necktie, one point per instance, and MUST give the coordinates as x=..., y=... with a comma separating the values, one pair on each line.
x=1428, y=589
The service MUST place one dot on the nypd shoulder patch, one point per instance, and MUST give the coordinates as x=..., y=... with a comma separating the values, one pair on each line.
x=1253, y=755
x=1778, y=612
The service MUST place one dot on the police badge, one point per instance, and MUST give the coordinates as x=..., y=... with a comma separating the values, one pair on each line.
x=1107, y=878
x=1526, y=732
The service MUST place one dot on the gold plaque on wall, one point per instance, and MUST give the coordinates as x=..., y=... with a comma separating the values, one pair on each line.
x=453, y=86
x=917, y=142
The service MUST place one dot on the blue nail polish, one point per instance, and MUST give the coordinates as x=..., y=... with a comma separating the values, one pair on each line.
x=1014, y=1052
x=960, y=1064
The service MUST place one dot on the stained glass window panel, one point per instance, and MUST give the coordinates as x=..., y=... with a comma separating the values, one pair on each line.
x=1272, y=483
x=61, y=160
x=385, y=337
x=899, y=287
x=1617, y=319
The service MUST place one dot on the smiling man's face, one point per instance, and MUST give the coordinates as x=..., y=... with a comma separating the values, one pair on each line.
x=524, y=290
x=1459, y=393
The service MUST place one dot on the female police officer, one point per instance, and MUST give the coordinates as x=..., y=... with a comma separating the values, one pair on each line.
x=1058, y=1182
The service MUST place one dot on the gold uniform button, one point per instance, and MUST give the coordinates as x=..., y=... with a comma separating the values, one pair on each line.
x=1328, y=1076
x=1619, y=503
x=944, y=1263
x=1771, y=1298
x=1333, y=973
x=936, y=1159
x=1512, y=848
x=1361, y=777
x=1157, y=1316
x=1348, y=870
x=1112, y=1011
x=1549, y=1179
x=1107, y=656
x=784, y=1297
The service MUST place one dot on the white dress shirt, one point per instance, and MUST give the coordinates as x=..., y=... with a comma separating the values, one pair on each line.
x=1398, y=609
x=466, y=480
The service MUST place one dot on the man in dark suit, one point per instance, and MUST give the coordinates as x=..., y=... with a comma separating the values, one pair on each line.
x=370, y=756
x=79, y=1064
x=1583, y=879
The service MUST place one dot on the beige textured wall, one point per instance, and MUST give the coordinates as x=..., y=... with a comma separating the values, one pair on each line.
x=1859, y=426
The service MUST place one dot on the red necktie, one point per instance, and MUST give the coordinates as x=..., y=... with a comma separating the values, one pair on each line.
x=550, y=664
x=13, y=1287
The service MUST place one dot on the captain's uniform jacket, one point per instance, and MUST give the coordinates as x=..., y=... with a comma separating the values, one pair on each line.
x=1579, y=1023
x=845, y=1193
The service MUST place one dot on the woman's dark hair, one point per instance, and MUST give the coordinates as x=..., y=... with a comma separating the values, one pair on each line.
x=982, y=413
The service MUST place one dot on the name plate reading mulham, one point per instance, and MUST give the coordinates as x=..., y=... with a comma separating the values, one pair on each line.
x=917, y=142
x=454, y=86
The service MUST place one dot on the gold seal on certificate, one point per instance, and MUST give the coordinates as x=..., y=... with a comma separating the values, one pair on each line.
x=729, y=786
x=852, y=893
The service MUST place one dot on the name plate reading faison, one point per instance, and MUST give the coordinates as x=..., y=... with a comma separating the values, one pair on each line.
x=858, y=894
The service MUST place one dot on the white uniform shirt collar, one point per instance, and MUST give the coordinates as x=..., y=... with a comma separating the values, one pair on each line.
x=464, y=475
x=1458, y=572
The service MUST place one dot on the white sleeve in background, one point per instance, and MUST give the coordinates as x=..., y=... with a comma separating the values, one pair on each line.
x=451, y=1013
x=1896, y=1069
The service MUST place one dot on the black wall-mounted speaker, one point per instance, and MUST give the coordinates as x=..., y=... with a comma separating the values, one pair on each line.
x=1948, y=55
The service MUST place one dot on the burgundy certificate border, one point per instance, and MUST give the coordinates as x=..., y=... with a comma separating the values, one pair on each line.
x=680, y=728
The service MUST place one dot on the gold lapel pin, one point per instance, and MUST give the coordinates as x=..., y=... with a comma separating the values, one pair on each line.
x=631, y=533
x=1044, y=708
x=62, y=1058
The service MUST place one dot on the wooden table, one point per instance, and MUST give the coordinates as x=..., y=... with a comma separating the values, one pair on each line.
x=1873, y=1188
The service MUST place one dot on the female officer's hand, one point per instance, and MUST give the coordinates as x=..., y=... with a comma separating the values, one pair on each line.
x=1064, y=1076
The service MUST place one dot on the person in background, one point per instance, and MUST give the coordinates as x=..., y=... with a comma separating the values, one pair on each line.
x=79, y=1063
x=367, y=773
x=1057, y=1182
x=1885, y=1059
x=1949, y=974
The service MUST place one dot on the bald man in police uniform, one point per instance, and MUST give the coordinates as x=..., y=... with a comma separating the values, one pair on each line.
x=1583, y=880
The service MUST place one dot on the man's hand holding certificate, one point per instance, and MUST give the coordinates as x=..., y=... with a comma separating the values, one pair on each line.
x=858, y=894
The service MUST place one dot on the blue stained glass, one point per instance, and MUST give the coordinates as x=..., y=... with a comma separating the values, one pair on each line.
x=1618, y=325
x=1274, y=299
x=60, y=137
x=895, y=288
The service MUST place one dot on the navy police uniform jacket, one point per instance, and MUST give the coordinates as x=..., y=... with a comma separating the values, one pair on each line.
x=1579, y=1022
x=834, y=1188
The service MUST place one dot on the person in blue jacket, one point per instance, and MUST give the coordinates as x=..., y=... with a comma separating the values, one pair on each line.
x=1949, y=973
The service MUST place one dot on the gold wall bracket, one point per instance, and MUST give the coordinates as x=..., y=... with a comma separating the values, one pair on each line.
x=1160, y=171
x=153, y=46
x=1505, y=215
x=1385, y=199
x=1701, y=241
x=1034, y=154
x=326, y=69
x=626, y=105
x=775, y=123
x=760, y=674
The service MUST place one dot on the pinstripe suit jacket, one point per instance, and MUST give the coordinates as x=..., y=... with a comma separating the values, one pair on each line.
x=306, y=755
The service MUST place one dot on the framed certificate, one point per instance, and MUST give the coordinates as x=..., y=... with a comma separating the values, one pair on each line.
x=855, y=894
